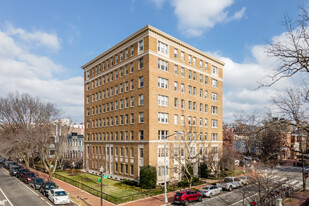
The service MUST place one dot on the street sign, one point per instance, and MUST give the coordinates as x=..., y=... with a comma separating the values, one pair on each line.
x=99, y=180
x=105, y=176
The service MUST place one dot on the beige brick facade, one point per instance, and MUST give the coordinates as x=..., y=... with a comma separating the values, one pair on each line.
x=119, y=94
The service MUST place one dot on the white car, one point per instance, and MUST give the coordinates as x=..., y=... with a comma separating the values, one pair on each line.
x=210, y=190
x=58, y=196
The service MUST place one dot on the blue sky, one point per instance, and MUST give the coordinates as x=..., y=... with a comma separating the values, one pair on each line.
x=44, y=43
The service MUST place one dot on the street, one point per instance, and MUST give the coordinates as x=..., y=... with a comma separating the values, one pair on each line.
x=14, y=192
x=291, y=175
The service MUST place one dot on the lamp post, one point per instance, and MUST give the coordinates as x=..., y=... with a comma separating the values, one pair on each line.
x=165, y=195
x=101, y=174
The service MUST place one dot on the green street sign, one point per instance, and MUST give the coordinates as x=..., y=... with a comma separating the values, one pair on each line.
x=105, y=176
x=99, y=180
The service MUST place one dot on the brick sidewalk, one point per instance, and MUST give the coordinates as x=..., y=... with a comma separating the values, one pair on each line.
x=75, y=193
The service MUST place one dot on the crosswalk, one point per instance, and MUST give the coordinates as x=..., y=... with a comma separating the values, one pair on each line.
x=296, y=184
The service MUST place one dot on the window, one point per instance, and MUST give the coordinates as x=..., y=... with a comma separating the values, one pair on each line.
x=206, y=108
x=175, y=119
x=182, y=119
x=201, y=78
x=182, y=105
x=214, y=109
x=176, y=69
x=201, y=107
x=141, y=134
x=194, y=106
x=132, y=50
x=121, y=88
x=201, y=64
x=140, y=82
x=162, y=47
x=190, y=89
x=214, y=70
x=206, y=94
x=201, y=93
x=163, y=117
x=176, y=53
x=126, y=102
x=132, y=101
x=112, y=62
x=162, y=100
x=206, y=122
x=190, y=105
x=176, y=102
x=194, y=76
x=194, y=121
x=190, y=74
x=162, y=83
x=214, y=83
x=141, y=45
x=201, y=122
x=214, y=123
x=121, y=104
x=121, y=72
x=182, y=55
x=132, y=84
x=189, y=120
x=190, y=59
x=214, y=96
x=132, y=137
x=121, y=56
x=182, y=88
x=175, y=86
x=214, y=136
x=126, y=53
x=141, y=117
x=141, y=99
x=194, y=61
x=116, y=59
x=126, y=86
x=141, y=63
x=162, y=65
x=162, y=134
x=132, y=169
x=126, y=69
x=194, y=91
x=182, y=71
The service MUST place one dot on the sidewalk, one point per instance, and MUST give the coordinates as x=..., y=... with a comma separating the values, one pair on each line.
x=298, y=199
x=76, y=194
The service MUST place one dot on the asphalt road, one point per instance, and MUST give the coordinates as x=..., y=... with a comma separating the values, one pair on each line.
x=238, y=197
x=13, y=192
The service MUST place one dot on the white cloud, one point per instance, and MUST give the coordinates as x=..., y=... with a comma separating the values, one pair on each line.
x=196, y=16
x=26, y=72
x=38, y=38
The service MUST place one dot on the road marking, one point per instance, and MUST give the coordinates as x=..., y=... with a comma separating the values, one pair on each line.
x=42, y=198
x=48, y=203
x=6, y=197
x=243, y=200
x=29, y=189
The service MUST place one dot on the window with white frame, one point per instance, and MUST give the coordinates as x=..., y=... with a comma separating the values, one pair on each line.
x=162, y=134
x=201, y=122
x=201, y=93
x=126, y=53
x=190, y=105
x=121, y=56
x=141, y=63
x=206, y=122
x=132, y=50
x=141, y=136
x=176, y=69
x=140, y=82
x=201, y=64
x=141, y=117
x=189, y=120
x=214, y=136
x=162, y=47
x=175, y=86
x=194, y=121
x=163, y=100
x=175, y=119
x=182, y=71
x=190, y=74
x=141, y=99
x=214, y=109
x=214, y=123
x=175, y=53
x=132, y=101
x=141, y=46
x=214, y=83
x=194, y=61
x=132, y=84
x=162, y=65
x=214, y=96
x=201, y=107
x=182, y=88
x=214, y=70
x=182, y=119
x=190, y=59
x=182, y=105
x=163, y=117
x=132, y=118
x=176, y=102
x=201, y=78
x=182, y=55
x=162, y=83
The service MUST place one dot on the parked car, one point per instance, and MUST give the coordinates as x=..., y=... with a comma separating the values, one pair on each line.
x=20, y=172
x=244, y=180
x=7, y=163
x=13, y=170
x=186, y=196
x=58, y=196
x=36, y=183
x=47, y=186
x=2, y=160
x=210, y=190
x=229, y=183
x=27, y=176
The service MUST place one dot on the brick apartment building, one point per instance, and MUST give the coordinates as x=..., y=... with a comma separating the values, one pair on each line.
x=143, y=89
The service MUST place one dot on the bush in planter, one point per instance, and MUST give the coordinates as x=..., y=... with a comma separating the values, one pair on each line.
x=148, y=177
x=183, y=183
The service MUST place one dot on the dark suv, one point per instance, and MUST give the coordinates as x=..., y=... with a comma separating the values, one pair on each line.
x=186, y=196
x=46, y=186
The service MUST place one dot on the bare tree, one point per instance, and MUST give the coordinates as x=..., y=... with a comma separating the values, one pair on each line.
x=291, y=49
x=22, y=122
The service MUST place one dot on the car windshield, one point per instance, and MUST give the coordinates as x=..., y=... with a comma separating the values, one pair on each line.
x=39, y=180
x=60, y=193
x=228, y=179
x=31, y=175
x=50, y=186
x=179, y=193
x=206, y=188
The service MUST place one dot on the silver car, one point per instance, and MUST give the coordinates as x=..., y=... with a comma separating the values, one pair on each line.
x=210, y=190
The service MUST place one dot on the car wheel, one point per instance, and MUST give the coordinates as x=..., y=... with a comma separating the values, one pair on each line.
x=230, y=188
x=186, y=202
x=200, y=198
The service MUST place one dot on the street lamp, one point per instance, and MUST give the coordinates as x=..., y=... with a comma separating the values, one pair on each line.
x=165, y=195
x=101, y=174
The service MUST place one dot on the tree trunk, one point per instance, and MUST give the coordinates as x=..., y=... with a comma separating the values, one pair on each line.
x=303, y=172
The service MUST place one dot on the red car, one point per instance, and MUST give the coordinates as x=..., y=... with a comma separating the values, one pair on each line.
x=27, y=176
x=186, y=196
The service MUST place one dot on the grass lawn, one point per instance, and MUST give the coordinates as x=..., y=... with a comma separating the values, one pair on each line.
x=108, y=184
